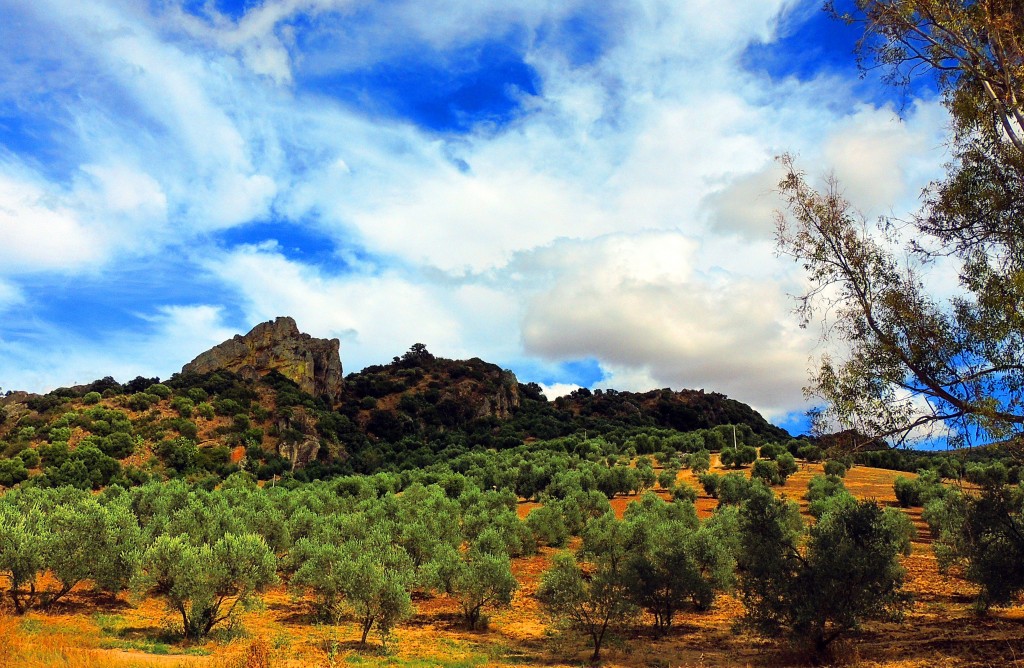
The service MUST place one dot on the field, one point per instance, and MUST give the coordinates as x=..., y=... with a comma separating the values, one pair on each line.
x=941, y=628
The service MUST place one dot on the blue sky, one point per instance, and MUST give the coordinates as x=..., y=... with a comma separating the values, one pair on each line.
x=581, y=192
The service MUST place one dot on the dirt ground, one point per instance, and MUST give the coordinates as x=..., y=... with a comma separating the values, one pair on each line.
x=941, y=629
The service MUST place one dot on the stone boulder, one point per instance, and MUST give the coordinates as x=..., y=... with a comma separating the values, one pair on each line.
x=278, y=345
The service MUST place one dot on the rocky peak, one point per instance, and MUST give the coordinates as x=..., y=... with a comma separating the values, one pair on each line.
x=278, y=345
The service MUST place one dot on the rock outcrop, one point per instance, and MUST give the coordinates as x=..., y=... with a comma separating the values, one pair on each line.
x=278, y=345
x=300, y=444
x=504, y=400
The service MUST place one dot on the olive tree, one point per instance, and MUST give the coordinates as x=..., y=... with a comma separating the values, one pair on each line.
x=205, y=583
x=674, y=560
x=815, y=585
x=588, y=604
x=483, y=578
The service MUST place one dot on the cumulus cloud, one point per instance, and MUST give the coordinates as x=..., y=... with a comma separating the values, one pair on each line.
x=556, y=390
x=375, y=316
x=639, y=305
x=876, y=156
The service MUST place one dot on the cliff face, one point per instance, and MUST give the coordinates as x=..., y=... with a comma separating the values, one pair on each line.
x=503, y=400
x=278, y=345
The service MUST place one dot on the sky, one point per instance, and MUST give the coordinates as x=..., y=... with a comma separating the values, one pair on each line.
x=580, y=192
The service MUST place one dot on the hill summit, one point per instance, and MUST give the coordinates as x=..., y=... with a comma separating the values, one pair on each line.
x=278, y=345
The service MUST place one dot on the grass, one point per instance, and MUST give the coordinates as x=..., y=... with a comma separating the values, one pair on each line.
x=115, y=634
x=417, y=662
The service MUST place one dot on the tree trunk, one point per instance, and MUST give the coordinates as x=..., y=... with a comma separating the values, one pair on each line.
x=598, y=638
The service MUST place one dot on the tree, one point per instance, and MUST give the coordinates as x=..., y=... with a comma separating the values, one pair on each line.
x=483, y=579
x=915, y=360
x=595, y=600
x=23, y=543
x=88, y=541
x=767, y=471
x=375, y=587
x=673, y=560
x=849, y=571
x=319, y=569
x=699, y=462
x=985, y=535
x=205, y=583
x=588, y=604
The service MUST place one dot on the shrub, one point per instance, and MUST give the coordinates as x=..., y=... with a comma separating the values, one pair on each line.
x=180, y=454
x=810, y=453
x=183, y=405
x=227, y=407
x=30, y=456
x=142, y=401
x=835, y=467
x=118, y=445
x=159, y=390
x=767, y=471
x=92, y=398
x=12, y=471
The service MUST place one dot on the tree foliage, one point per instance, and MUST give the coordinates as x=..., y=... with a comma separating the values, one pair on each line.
x=914, y=359
x=847, y=572
x=205, y=583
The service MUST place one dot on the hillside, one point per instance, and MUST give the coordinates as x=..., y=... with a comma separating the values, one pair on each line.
x=273, y=402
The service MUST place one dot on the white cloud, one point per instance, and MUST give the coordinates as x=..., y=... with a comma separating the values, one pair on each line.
x=654, y=322
x=375, y=316
x=10, y=296
x=556, y=390
x=40, y=230
x=879, y=159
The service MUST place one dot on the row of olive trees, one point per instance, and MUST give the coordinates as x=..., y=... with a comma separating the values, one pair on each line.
x=978, y=530
x=209, y=553
x=810, y=583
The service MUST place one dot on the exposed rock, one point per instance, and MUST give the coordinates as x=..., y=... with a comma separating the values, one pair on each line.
x=299, y=444
x=314, y=364
x=504, y=400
